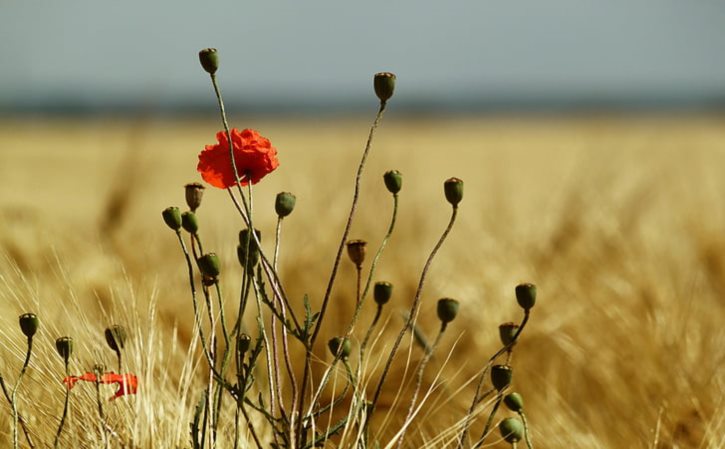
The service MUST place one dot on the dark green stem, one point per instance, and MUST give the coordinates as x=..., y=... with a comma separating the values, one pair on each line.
x=13, y=399
x=328, y=291
x=489, y=421
x=412, y=317
x=418, y=382
x=65, y=410
x=527, y=436
x=476, y=398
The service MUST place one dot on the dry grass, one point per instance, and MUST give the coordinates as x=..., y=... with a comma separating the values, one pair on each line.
x=619, y=221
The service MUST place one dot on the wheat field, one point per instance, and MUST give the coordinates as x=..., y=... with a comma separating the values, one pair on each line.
x=619, y=220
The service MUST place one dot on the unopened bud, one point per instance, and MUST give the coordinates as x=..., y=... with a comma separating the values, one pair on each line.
x=284, y=204
x=194, y=193
x=507, y=332
x=29, y=324
x=447, y=310
x=189, y=222
x=246, y=243
x=453, y=188
x=514, y=402
x=356, y=251
x=384, y=83
x=393, y=181
x=382, y=291
x=501, y=376
x=209, y=59
x=209, y=265
x=116, y=337
x=341, y=346
x=512, y=430
x=526, y=295
x=172, y=217
x=64, y=346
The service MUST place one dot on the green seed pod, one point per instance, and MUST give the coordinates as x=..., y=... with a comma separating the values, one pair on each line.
x=382, y=291
x=189, y=222
x=506, y=332
x=453, y=188
x=526, y=295
x=356, y=251
x=99, y=368
x=209, y=265
x=393, y=181
x=514, y=402
x=116, y=337
x=447, y=310
x=209, y=59
x=338, y=344
x=29, y=324
x=194, y=192
x=244, y=243
x=64, y=346
x=243, y=343
x=384, y=84
x=172, y=217
x=284, y=204
x=512, y=430
x=501, y=376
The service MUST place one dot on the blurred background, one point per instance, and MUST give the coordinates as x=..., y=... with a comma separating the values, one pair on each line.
x=86, y=56
x=590, y=136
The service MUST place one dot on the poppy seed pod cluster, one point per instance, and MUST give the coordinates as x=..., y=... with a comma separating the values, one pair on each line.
x=341, y=346
x=453, y=188
x=172, y=217
x=116, y=337
x=209, y=265
x=193, y=193
x=189, y=222
x=447, y=310
x=29, y=324
x=209, y=59
x=393, y=181
x=356, y=251
x=247, y=250
x=501, y=376
x=384, y=84
x=382, y=291
x=507, y=332
x=64, y=346
x=284, y=204
x=526, y=295
x=512, y=430
x=514, y=402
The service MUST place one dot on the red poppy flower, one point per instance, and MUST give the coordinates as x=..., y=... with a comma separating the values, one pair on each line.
x=127, y=383
x=254, y=156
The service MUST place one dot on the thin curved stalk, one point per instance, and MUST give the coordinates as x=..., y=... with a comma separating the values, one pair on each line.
x=476, y=398
x=65, y=411
x=13, y=398
x=412, y=317
x=336, y=264
x=418, y=383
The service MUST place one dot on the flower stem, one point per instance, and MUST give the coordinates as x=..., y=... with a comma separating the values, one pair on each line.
x=418, y=383
x=489, y=421
x=412, y=317
x=65, y=410
x=527, y=436
x=22, y=421
x=476, y=398
x=328, y=291
x=13, y=398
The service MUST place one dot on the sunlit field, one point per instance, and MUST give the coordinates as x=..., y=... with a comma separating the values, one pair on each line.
x=619, y=221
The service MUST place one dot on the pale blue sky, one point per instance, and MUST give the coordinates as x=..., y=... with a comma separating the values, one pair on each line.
x=143, y=52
